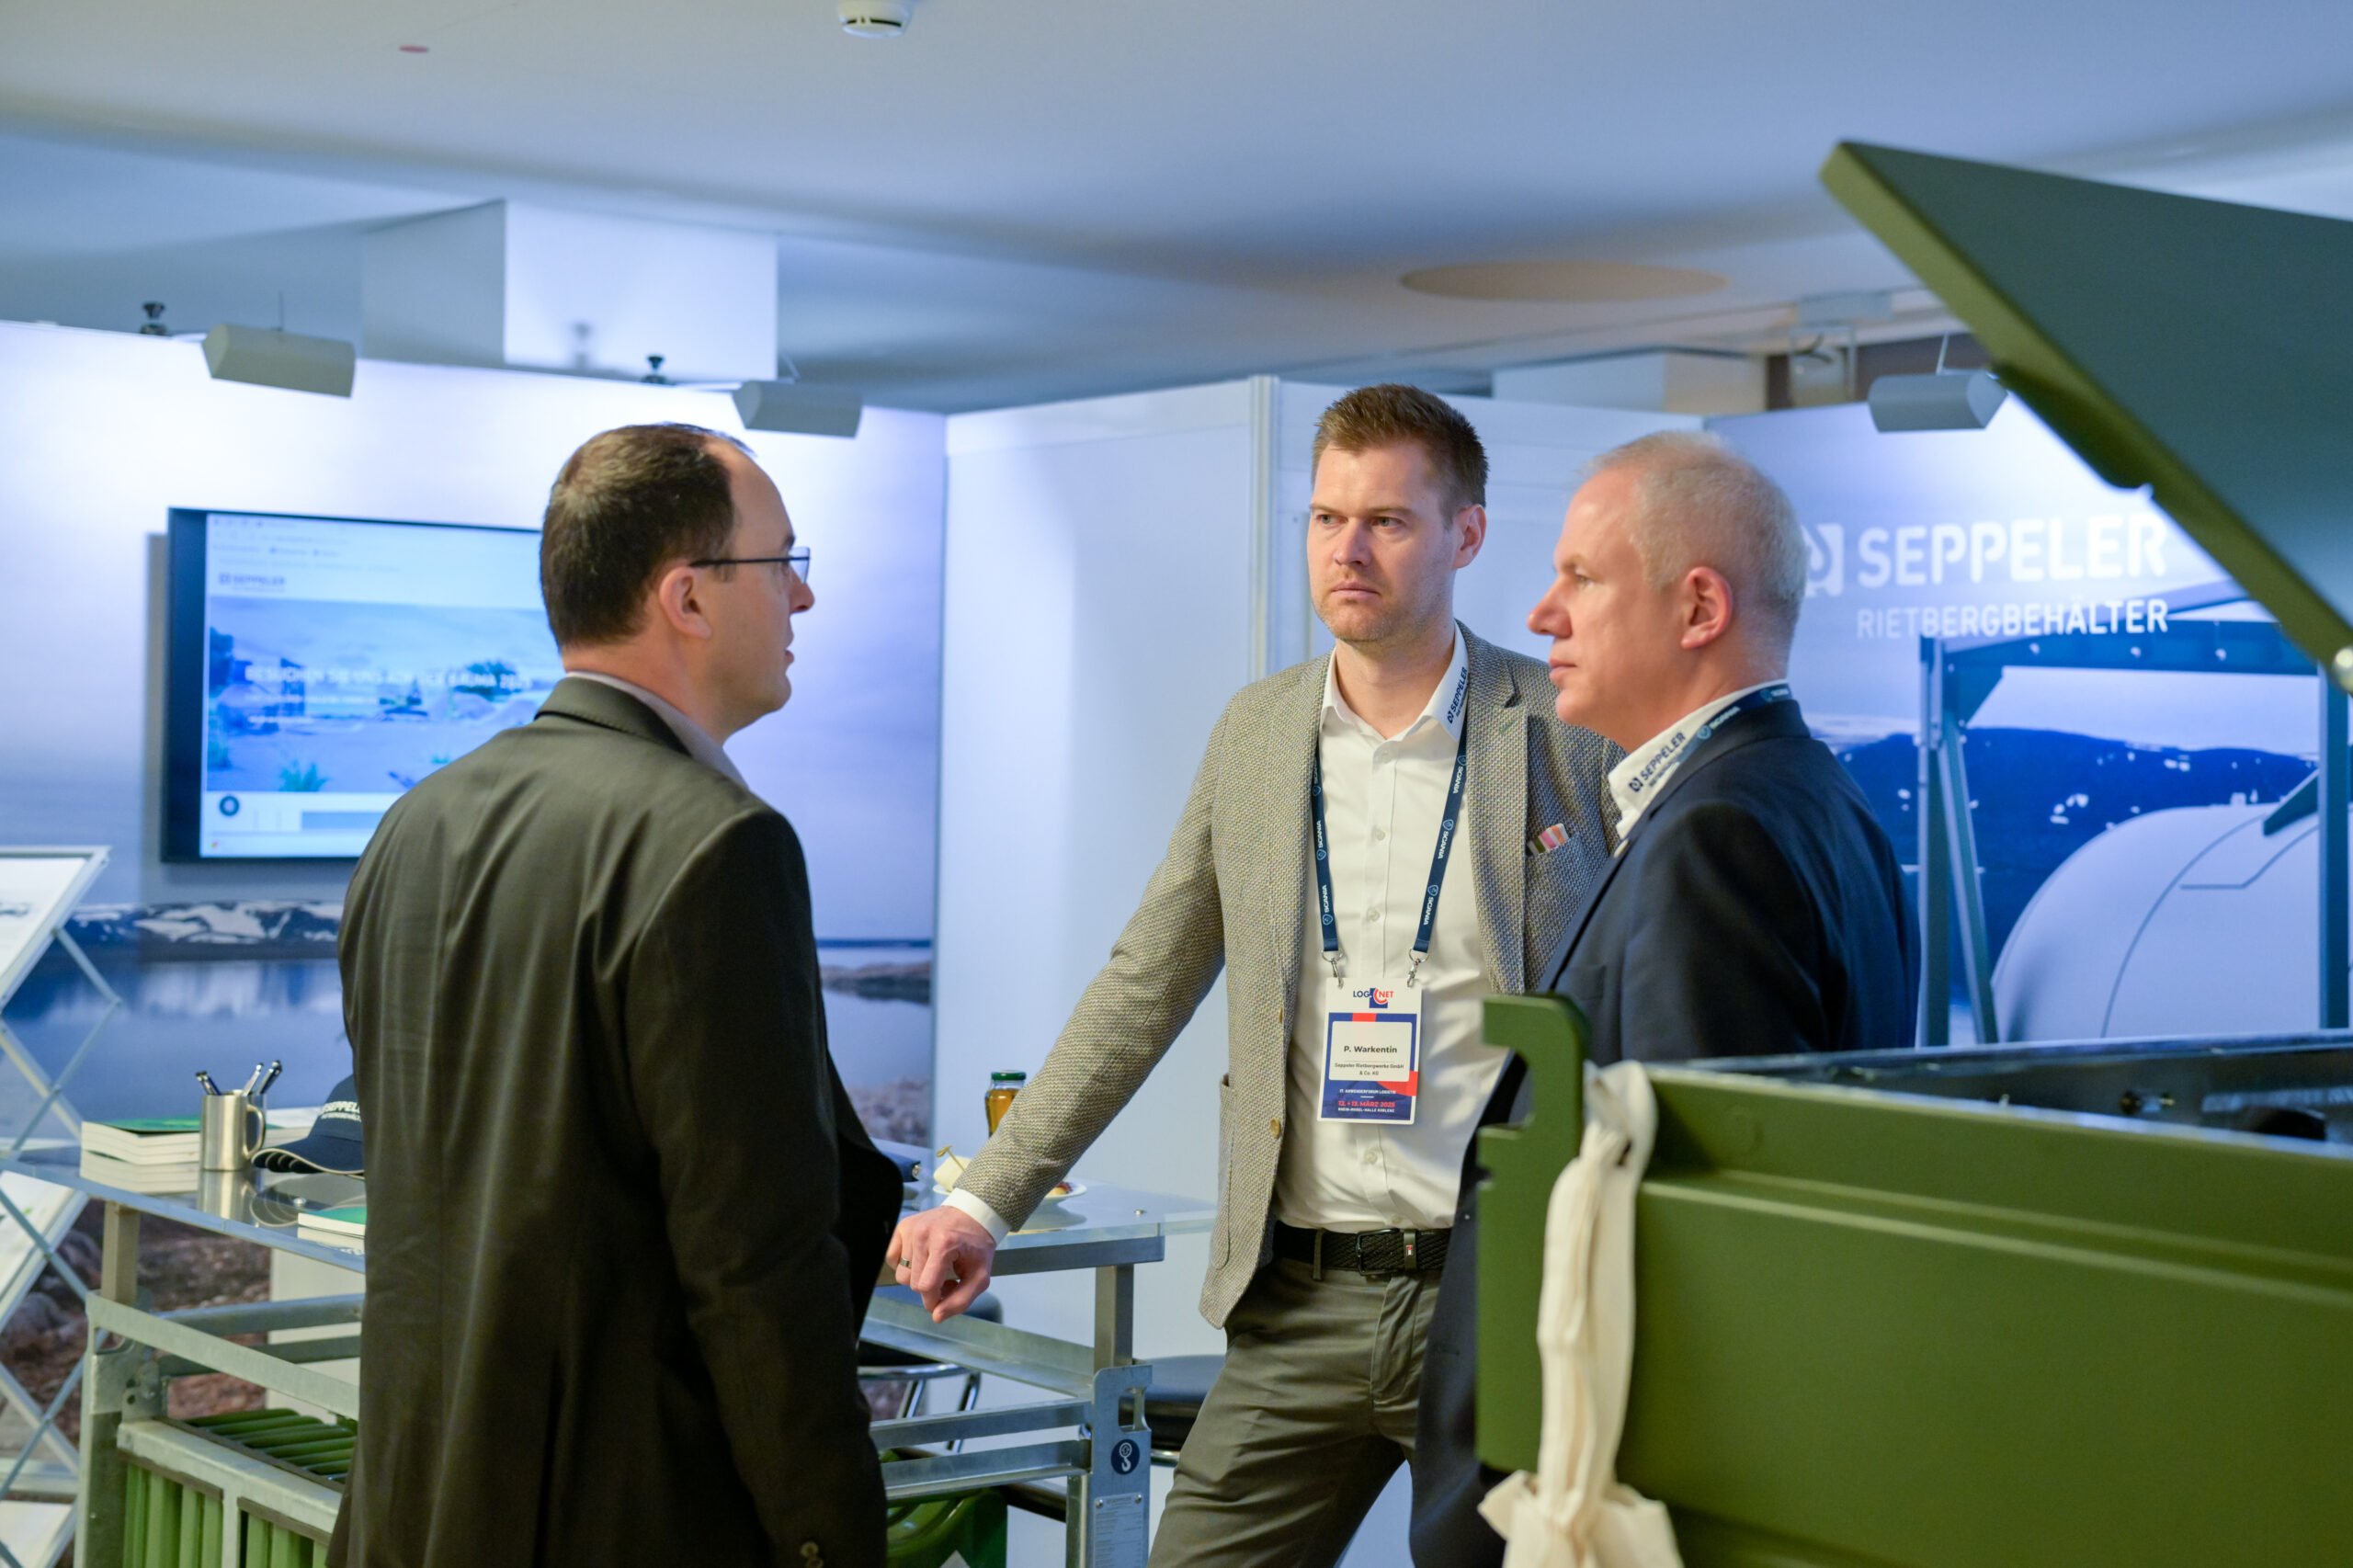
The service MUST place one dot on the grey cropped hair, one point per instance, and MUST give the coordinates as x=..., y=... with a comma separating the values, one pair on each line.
x=1702, y=504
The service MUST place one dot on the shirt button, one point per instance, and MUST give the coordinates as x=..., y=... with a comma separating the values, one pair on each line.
x=1372, y=1156
x=1372, y=914
x=1379, y=834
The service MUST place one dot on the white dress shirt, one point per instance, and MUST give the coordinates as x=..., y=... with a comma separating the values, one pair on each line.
x=1635, y=782
x=693, y=736
x=1382, y=801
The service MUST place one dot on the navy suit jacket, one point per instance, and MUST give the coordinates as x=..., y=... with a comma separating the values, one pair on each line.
x=1756, y=909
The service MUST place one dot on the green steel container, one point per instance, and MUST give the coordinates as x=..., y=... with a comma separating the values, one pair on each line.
x=1888, y=1327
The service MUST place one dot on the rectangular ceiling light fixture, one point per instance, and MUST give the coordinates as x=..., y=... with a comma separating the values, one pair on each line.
x=798, y=409
x=269, y=358
x=1949, y=400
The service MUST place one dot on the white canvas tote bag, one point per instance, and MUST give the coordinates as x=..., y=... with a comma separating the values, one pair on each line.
x=1573, y=1513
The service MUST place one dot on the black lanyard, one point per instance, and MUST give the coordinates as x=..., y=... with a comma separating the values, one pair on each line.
x=1332, y=954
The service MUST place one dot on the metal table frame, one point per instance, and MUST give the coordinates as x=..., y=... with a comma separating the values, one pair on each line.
x=1089, y=1431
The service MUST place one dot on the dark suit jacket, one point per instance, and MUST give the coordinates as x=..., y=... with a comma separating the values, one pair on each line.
x=624, y=1222
x=1756, y=910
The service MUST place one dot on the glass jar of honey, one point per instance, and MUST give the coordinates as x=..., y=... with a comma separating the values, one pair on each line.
x=1003, y=1087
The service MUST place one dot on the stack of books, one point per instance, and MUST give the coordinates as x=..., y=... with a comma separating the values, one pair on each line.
x=151, y=1155
x=345, y=1226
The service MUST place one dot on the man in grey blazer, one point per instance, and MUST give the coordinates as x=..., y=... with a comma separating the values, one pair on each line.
x=1318, y=861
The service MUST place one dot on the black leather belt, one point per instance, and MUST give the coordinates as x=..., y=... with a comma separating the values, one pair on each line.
x=1364, y=1252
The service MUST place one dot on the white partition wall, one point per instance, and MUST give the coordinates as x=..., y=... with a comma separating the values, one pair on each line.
x=1098, y=615
x=1115, y=570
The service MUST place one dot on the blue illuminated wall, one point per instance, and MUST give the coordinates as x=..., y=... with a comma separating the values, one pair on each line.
x=2004, y=532
x=102, y=433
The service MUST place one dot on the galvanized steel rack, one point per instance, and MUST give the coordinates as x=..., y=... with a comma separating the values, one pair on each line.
x=1088, y=1430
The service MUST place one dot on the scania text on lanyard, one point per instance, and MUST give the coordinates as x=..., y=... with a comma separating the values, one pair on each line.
x=1372, y=1034
x=1655, y=767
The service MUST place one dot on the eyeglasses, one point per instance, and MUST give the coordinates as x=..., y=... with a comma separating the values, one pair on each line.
x=797, y=559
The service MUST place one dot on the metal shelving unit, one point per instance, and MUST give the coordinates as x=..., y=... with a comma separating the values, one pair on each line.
x=1086, y=1431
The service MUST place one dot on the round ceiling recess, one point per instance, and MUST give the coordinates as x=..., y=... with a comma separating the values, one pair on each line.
x=1563, y=282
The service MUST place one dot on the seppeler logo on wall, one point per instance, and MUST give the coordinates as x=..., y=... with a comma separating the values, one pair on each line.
x=2018, y=577
x=2080, y=721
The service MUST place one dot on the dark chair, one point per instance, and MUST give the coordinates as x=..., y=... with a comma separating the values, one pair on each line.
x=879, y=1363
x=1179, y=1383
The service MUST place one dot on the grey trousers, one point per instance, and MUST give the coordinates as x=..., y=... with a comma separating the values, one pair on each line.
x=1313, y=1413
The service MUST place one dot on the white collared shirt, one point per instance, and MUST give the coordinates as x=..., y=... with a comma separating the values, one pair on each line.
x=1382, y=801
x=1637, y=780
x=693, y=736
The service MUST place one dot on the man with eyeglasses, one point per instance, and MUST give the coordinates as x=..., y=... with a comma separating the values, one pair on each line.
x=626, y=1221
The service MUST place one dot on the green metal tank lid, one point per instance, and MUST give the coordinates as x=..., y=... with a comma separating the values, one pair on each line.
x=2200, y=347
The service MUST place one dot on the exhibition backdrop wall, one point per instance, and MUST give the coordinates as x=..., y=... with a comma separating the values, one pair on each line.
x=2004, y=533
x=102, y=433
x=2001, y=532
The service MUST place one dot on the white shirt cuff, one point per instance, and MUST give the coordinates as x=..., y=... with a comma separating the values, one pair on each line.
x=978, y=1207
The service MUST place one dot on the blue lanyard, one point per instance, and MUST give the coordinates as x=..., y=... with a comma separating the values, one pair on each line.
x=1332, y=954
x=1653, y=771
x=1764, y=698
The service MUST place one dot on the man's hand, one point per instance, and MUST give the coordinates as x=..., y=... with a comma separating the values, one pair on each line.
x=945, y=1254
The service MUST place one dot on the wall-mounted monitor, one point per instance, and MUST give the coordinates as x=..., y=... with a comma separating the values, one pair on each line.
x=319, y=666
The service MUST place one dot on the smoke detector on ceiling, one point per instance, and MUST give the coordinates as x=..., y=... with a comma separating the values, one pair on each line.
x=875, y=19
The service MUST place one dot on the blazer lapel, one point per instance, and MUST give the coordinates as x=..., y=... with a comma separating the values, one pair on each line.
x=1778, y=720
x=1290, y=755
x=1498, y=808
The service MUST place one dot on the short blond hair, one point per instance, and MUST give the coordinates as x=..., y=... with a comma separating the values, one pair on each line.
x=1699, y=503
x=1392, y=414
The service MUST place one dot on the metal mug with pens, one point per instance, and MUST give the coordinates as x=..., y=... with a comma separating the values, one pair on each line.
x=232, y=1125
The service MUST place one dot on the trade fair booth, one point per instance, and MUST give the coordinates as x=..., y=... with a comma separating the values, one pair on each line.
x=248, y=619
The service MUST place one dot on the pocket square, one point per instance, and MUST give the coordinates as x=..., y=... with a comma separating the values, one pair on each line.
x=1551, y=839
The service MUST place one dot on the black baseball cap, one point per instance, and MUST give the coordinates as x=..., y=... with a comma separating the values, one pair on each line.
x=333, y=1142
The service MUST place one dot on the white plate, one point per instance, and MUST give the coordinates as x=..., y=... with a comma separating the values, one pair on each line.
x=1076, y=1189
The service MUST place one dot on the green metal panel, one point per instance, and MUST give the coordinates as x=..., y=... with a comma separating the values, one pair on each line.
x=164, y=1521
x=1549, y=1034
x=134, y=1518
x=1880, y=1328
x=2200, y=347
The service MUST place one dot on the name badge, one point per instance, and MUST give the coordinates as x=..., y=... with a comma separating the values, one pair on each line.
x=1372, y=1052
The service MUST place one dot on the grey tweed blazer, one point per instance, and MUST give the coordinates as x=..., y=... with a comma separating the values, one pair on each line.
x=1232, y=892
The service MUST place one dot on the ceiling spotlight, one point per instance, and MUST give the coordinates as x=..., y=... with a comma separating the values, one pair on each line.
x=875, y=19
x=800, y=410
x=274, y=358
x=1949, y=400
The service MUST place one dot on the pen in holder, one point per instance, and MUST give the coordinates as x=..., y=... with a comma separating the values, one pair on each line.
x=232, y=1132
